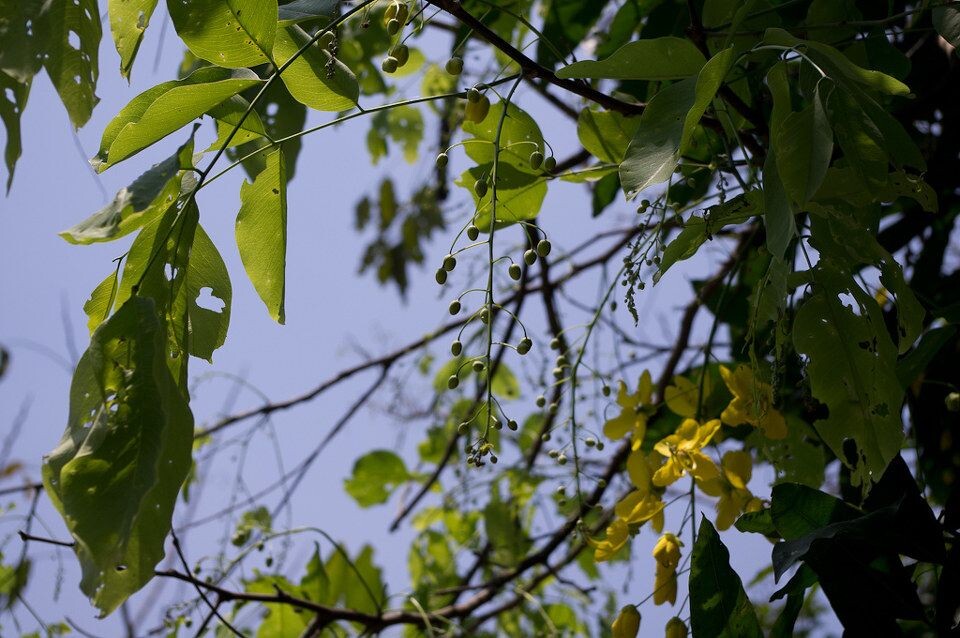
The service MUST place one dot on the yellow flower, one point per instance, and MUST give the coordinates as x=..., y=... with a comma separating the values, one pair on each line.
x=606, y=549
x=683, y=396
x=627, y=623
x=638, y=507
x=676, y=628
x=733, y=497
x=667, y=551
x=683, y=452
x=665, y=586
x=752, y=403
x=632, y=418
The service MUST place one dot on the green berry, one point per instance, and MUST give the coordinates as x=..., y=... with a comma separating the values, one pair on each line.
x=402, y=53
x=473, y=95
x=562, y=459
x=453, y=382
x=478, y=366
x=554, y=344
x=393, y=27
x=536, y=160
x=463, y=428
x=454, y=307
x=605, y=390
x=544, y=247
x=545, y=436
x=524, y=346
x=485, y=315
x=601, y=484
x=477, y=111
x=512, y=425
x=514, y=272
x=442, y=160
x=327, y=39
x=530, y=257
x=480, y=188
x=553, y=454
x=554, y=407
x=389, y=64
x=590, y=441
x=494, y=459
x=456, y=348
x=541, y=401
x=449, y=263
x=550, y=163
x=441, y=276
x=391, y=13
x=599, y=445
x=403, y=13
x=472, y=232
x=454, y=65
x=558, y=373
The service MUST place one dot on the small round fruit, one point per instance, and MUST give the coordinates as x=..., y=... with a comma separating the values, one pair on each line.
x=402, y=53
x=456, y=348
x=389, y=64
x=403, y=13
x=524, y=346
x=463, y=428
x=477, y=111
x=536, y=160
x=541, y=401
x=327, y=40
x=480, y=188
x=441, y=276
x=515, y=272
x=550, y=163
x=530, y=257
x=478, y=366
x=601, y=483
x=454, y=307
x=600, y=445
x=442, y=160
x=558, y=373
x=472, y=232
x=449, y=263
x=544, y=247
x=590, y=441
x=453, y=382
x=562, y=459
x=454, y=65
x=553, y=408
x=485, y=315
x=605, y=390
x=554, y=344
x=474, y=95
x=393, y=27
x=391, y=13
x=494, y=459
x=512, y=425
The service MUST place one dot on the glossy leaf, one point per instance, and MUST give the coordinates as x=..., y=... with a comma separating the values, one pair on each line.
x=666, y=58
x=228, y=33
x=375, y=476
x=230, y=115
x=165, y=108
x=306, y=10
x=261, y=231
x=128, y=22
x=315, y=78
x=135, y=205
x=667, y=124
x=718, y=604
x=116, y=474
x=851, y=370
x=73, y=70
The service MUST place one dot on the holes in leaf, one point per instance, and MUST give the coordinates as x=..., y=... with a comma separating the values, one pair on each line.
x=208, y=301
x=73, y=39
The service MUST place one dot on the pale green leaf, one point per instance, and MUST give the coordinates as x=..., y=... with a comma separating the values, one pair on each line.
x=229, y=115
x=98, y=306
x=519, y=194
x=165, y=108
x=316, y=78
x=228, y=33
x=666, y=58
x=851, y=367
x=128, y=22
x=73, y=71
x=305, y=10
x=375, y=476
x=667, y=125
x=519, y=137
x=262, y=233
x=606, y=134
x=135, y=205
x=207, y=277
x=126, y=451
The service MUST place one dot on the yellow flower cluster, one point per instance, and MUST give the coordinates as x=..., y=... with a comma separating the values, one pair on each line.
x=667, y=554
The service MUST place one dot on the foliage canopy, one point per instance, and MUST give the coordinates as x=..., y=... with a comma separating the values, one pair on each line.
x=812, y=143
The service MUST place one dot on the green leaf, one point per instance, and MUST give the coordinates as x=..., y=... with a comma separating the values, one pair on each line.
x=698, y=230
x=375, y=476
x=946, y=20
x=718, y=604
x=520, y=194
x=316, y=78
x=126, y=451
x=165, y=108
x=281, y=116
x=565, y=24
x=135, y=205
x=128, y=22
x=73, y=71
x=778, y=219
x=21, y=48
x=261, y=231
x=403, y=124
x=666, y=58
x=281, y=620
x=757, y=523
x=100, y=303
x=804, y=146
x=910, y=367
x=519, y=137
x=207, y=275
x=606, y=134
x=798, y=457
x=13, y=99
x=229, y=115
x=667, y=125
x=504, y=531
x=851, y=367
x=228, y=33
x=305, y=10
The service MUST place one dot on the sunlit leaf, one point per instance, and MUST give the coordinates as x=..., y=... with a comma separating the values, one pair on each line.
x=305, y=10
x=228, y=33
x=128, y=22
x=315, y=78
x=375, y=476
x=207, y=277
x=71, y=33
x=666, y=58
